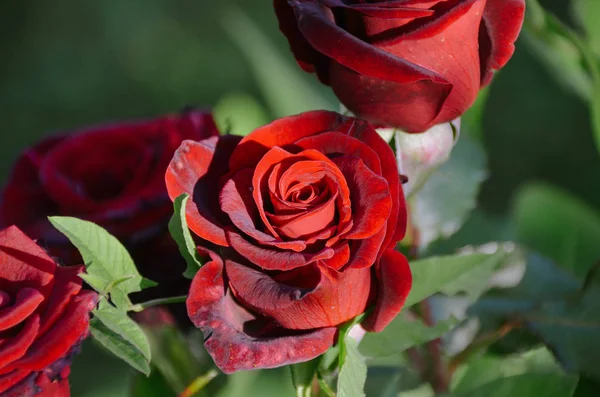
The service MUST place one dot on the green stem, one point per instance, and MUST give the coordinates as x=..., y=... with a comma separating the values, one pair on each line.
x=199, y=383
x=157, y=302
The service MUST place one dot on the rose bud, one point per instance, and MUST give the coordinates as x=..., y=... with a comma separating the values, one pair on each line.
x=304, y=214
x=408, y=64
x=420, y=154
x=111, y=175
x=44, y=316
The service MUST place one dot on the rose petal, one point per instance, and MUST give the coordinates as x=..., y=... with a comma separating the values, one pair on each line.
x=225, y=324
x=340, y=257
x=395, y=280
x=318, y=28
x=56, y=343
x=26, y=302
x=8, y=380
x=502, y=22
x=364, y=253
x=397, y=220
x=23, y=264
x=370, y=197
x=282, y=133
x=237, y=202
x=67, y=284
x=196, y=169
x=338, y=297
x=14, y=348
x=274, y=259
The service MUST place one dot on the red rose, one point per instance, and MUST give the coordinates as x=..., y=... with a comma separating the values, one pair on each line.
x=410, y=64
x=44, y=315
x=111, y=175
x=305, y=213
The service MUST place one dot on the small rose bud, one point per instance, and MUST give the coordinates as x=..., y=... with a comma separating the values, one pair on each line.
x=419, y=154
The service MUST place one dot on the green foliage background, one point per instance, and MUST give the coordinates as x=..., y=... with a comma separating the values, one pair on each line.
x=72, y=63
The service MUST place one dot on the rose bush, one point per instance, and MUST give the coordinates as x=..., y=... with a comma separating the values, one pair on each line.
x=301, y=218
x=44, y=315
x=111, y=175
x=409, y=64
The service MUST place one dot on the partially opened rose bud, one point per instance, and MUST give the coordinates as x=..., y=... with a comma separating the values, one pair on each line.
x=409, y=64
x=419, y=154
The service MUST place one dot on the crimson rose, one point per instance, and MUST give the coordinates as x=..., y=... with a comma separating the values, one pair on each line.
x=111, y=175
x=410, y=64
x=44, y=315
x=304, y=214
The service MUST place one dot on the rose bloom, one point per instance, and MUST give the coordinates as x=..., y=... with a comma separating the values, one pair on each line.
x=301, y=218
x=44, y=316
x=112, y=175
x=409, y=64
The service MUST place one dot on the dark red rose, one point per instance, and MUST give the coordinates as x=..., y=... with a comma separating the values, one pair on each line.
x=305, y=213
x=44, y=315
x=114, y=176
x=410, y=64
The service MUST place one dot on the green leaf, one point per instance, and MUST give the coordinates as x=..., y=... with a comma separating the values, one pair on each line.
x=119, y=323
x=114, y=343
x=572, y=331
x=108, y=264
x=181, y=234
x=587, y=13
x=452, y=274
x=547, y=385
x=402, y=334
x=239, y=114
x=353, y=372
x=488, y=368
x=570, y=235
x=285, y=87
x=444, y=202
x=303, y=375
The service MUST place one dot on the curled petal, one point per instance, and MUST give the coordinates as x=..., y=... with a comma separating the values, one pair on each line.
x=235, y=338
x=67, y=284
x=335, y=298
x=58, y=341
x=282, y=133
x=364, y=132
x=10, y=379
x=24, y=263
x=14, y=348
x=196, y=169
x=274, y=259
x=502, y=22
x=26, y=302
x=395, y=279
x=238, y=203
x=319, y=29
x=370, y=197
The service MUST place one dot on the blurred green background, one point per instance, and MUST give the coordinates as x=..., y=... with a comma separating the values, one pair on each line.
x=71, y=63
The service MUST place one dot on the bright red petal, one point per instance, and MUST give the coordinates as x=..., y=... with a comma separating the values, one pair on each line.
x=23, y=264
x=502, y=22
x=395, y=281
x=337, y=297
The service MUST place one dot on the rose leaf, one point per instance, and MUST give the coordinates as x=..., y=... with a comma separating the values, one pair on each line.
x=182, y=236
